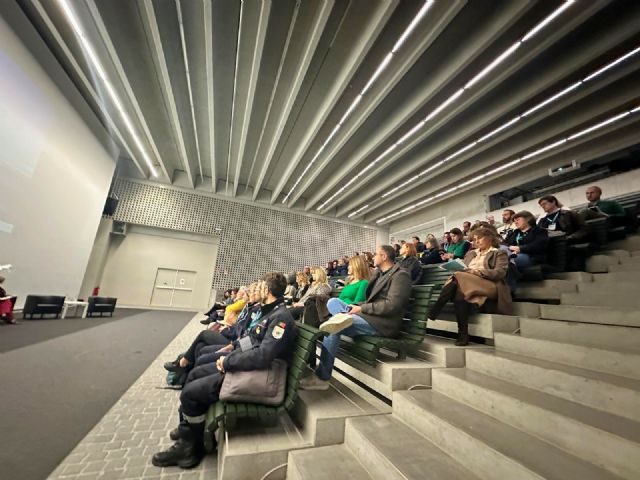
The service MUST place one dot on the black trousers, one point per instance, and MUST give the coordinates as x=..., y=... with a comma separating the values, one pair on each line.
x=204, y=338
x=200, y=393
x=451, y=293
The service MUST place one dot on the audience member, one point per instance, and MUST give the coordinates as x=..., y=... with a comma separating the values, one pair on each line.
x=432, y=254
x=355, y=289
x=557, y=221
x=307, y=271
x=446, y=240
x=491, y=220
x=273, y=337
x=458, y=247
x=528, y=243
x=410, y=262
x=292, y=287
x=484, y=278
x=610, y=208
x=341, y=268
x=6, y=305
x=430, y=236
x=507, y=223
x=396, y=247
x=303, y=285
x=419, y=246
x=230, y=310
x=330, y=270
x=466, y=228
x=319, y=286
x=381, y=314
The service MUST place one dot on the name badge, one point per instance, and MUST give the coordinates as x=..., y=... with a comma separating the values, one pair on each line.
x=552, y=226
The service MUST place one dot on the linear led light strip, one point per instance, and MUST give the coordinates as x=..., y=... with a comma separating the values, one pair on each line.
x=88, y=49
x=496, y=170
x=511, y=122
x=383, y=65
x=497, y=61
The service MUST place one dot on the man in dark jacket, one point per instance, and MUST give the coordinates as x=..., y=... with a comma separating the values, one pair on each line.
x=273, y=337
x=381, y=314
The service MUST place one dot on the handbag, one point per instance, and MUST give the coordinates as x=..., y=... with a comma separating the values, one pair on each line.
x=266, y=387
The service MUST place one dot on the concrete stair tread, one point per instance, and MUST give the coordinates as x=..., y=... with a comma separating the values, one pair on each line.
x=617, y=277
x=480, y=325
x=609, y=337
x=601, y=288
x=389, y=374
x=325, y=463
x=536, y=455
x=412, y=455
x=579, y=277
x=616, y=380
x=545, y=289
x=251, y=438
x=613, y=424
x=615, y=299
x=625, y=316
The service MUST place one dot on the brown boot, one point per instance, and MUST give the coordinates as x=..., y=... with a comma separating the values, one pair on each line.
x=463, y=334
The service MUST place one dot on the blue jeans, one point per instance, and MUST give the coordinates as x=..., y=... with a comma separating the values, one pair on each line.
x=522, y=260
x=331, y=343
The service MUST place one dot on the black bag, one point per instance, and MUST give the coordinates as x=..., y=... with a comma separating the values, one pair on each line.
x=177, y=379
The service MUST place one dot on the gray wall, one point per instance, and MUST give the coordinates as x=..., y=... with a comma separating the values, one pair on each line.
x=133, y=260
x=253, y=239
x=54, y=181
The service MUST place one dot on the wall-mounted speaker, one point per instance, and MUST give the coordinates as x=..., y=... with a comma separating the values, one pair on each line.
x=110, y=206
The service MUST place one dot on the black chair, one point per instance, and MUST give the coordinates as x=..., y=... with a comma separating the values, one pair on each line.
x=101, y=305
x=42, y=305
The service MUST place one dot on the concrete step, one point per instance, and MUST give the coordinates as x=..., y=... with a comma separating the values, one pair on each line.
x=625, y=267
x=443, y=351
x=491, y=449
x=320, y=415
x=611, y=288
x=480, y=325
x=578, y=277
x=579, y=430
x=617, y=277
x=389, y=374
x=544, y=290
x=624, y=316
x=249, y=451
x=390, y=450
x=603, y=391
x=600, y=263
x=610, y=337
x=631, y=243
x=620, y=254
x=635, y=253
x=526, y=309
x=325, y=463
x=624, y=364
x=608, y=299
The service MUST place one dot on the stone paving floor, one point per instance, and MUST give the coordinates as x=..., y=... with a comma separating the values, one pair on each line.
x=120, y=446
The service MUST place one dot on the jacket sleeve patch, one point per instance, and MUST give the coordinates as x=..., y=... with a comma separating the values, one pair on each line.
x=277, y=332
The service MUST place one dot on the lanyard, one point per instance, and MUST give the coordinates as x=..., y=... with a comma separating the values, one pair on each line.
x=554, y=218
x=519, y=236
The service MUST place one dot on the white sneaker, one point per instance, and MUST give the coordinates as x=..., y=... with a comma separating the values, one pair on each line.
x=337, y=323
x=312, y=382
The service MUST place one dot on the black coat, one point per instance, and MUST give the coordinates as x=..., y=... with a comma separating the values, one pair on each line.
x=413, y=267
x=566, y=221
x=274, y=336
x=431, y=256
x=533, y=242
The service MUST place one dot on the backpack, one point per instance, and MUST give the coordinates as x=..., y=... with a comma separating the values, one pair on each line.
x=177, y=379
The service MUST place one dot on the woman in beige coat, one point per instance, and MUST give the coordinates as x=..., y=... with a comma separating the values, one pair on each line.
x=484, y=278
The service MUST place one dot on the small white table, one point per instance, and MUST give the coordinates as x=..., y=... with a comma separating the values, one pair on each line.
x=75, y=304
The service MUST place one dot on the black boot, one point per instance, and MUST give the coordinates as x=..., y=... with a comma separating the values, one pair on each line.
x=174, y=367
x=463, y=334
x=187, y=452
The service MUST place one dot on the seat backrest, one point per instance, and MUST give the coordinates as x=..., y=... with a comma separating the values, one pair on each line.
x=557, y=252
x=414, y=325
x=434, y=275
x=306, y=339
x=102, y=300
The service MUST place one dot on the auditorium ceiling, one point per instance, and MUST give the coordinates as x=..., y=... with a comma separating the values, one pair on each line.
x=358, y=109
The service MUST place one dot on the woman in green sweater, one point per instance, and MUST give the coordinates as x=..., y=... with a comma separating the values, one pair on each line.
x=353, y=292
x=458, y=247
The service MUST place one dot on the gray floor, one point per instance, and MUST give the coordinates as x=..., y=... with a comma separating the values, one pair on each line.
x=54, y=391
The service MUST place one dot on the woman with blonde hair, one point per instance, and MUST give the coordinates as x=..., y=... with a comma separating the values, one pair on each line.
x=319, y=286
x=355, y=291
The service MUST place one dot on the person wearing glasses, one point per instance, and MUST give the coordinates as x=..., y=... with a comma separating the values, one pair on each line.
x=528, y=242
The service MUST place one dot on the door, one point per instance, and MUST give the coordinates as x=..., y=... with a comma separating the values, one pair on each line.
x=173, y=288
x=183, y=291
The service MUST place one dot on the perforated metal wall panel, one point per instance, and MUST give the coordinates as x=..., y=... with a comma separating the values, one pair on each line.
x=253, y=239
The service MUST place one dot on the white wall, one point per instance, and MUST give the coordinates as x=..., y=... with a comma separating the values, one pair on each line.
x=133, y=260
x=471, y=205
x=54, y=178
